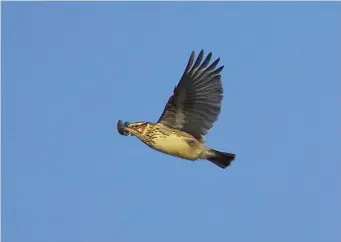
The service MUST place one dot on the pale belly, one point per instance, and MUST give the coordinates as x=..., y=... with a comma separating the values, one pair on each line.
x=176, y=146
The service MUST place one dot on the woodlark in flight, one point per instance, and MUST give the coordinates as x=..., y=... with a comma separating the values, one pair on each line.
x=189, y=114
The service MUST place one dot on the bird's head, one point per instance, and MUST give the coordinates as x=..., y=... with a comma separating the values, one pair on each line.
x=137, y=128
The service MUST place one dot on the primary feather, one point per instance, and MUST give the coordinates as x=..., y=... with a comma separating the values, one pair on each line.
x=196, y=102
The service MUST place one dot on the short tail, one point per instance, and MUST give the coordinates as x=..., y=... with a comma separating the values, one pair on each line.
x=220, y=158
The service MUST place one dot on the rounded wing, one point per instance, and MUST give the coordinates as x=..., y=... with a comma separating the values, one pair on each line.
x=196, y=102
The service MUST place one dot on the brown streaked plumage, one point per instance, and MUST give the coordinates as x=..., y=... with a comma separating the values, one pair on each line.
x=189, y=114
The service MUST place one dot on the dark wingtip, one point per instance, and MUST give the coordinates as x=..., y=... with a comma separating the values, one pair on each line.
x=190, y=62
x=214, y=64
x=220, y=69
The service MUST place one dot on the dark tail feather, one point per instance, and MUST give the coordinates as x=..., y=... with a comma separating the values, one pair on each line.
x=220, y=158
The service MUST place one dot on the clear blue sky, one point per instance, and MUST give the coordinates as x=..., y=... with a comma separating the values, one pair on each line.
x=71, y=70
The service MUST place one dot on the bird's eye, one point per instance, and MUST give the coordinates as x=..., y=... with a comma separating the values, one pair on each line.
x=136, y=126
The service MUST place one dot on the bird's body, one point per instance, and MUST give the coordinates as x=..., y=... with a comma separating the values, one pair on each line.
x=188, y=116
x=172, y=141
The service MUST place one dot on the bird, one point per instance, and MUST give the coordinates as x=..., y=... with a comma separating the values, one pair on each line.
x=188, y=115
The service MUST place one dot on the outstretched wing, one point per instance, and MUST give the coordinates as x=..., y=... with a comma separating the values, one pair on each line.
x=196, y=102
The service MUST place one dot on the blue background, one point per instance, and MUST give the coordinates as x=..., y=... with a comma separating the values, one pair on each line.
x=71, y=70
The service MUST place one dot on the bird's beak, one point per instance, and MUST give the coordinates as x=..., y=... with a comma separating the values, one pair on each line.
x=129, y=129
